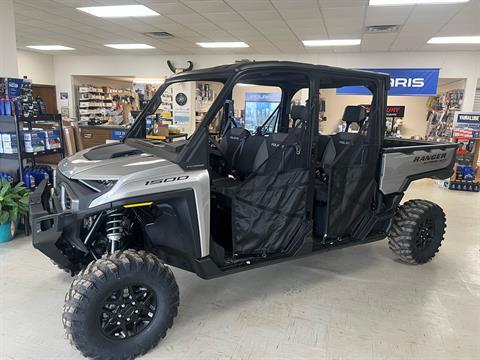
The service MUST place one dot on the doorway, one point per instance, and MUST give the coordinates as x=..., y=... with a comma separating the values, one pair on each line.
x=48, y=93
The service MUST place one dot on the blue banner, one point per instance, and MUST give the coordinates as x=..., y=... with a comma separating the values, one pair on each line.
x=403, y=82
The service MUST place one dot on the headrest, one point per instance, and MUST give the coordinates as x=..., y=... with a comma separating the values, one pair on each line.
x=298, y=112
x=237, y=133
x=354, y=114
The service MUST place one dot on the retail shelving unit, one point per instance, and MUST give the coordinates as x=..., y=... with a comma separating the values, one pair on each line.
x=94, y=102
x=15, y=163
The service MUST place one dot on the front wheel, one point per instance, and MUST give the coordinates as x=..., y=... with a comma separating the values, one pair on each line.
x=120, y=306
x=417, y=231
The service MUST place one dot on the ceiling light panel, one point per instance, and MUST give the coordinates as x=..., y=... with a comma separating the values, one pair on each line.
x=119, y=11
x=230, y=44
x=341, y=42
x=413, y=2
x=49, y=47
x=129, y=46
x=148, y=81
x=455, y=40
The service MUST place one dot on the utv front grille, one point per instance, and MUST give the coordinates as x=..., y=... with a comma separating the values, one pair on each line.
x=73, y=194
x=65, y=199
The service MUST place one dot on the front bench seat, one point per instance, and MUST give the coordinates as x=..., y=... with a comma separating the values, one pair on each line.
x=251, y=154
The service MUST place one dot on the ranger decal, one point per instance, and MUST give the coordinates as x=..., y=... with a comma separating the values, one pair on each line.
x=426, y=158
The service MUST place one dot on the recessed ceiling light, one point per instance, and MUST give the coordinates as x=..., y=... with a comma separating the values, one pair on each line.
x=455, y=40
x=119, y=11
x=341, y=42
x=413, y=2
x=129, y=46
x=229, y=44
x=382, y=29
x=148, y=81
x=49, y=47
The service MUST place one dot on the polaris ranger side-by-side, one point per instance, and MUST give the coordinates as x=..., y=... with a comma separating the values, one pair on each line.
x=228, y=200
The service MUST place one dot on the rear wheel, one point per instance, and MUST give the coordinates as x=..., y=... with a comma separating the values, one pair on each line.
x=120, y=306
x=417, y=231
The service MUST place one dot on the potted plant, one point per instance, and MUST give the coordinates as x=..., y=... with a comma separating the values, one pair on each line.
x=13, y=203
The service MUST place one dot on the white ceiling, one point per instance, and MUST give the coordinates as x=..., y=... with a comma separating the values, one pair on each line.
x=268, y=26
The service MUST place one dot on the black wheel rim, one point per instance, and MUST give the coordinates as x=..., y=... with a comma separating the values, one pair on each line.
x=425, y=234
x=127, y=312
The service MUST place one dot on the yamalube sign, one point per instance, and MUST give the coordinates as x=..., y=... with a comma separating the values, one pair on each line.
x=403, y=82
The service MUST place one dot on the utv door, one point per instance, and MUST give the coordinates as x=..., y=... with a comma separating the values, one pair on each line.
x=269, y=209
x=353, y=176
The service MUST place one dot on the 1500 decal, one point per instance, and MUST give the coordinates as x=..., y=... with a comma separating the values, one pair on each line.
x=166, y=180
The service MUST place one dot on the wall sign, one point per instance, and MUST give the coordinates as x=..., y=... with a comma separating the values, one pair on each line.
x=397, y=111
x=14, y=87
x=183, y=109
x=403, y=82
x=118, y=134
x=466, y=124
x=263, y=97
x=181, y=99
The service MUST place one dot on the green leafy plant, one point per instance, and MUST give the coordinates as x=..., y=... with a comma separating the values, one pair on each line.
x=13, y=201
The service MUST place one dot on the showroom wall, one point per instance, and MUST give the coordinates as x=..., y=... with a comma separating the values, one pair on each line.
x=452, y=65
x=413, y=123
x=38, y=67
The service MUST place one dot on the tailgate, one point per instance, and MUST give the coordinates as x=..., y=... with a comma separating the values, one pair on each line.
x=401, y=165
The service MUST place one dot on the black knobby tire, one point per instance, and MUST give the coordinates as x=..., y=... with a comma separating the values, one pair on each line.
x=91, y=292
x=417, y=231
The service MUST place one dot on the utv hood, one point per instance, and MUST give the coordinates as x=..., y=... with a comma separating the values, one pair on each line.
x=109, y=162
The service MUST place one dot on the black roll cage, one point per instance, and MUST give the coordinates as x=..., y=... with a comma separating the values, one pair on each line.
x=271, y=73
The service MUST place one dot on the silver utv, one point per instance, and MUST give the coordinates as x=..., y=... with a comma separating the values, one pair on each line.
x=228, y=199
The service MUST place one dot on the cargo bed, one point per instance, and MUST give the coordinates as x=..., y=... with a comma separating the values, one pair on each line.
x=404, y=161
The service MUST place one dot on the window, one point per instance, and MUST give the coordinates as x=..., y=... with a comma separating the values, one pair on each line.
x=332, y=108
x=256, y=106
x=183, y=106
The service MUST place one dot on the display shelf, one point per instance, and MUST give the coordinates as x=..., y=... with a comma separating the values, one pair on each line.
x=14, y=163
x=8, y=156
x=43, y=152
x=93, y=102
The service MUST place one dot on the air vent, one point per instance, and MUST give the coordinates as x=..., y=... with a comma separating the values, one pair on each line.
x=381, y=29
x=159, y=35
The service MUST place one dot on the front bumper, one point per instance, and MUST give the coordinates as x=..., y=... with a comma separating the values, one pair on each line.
x=52, y=226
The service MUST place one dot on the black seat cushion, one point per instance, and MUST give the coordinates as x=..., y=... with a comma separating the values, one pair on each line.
x=322, y=142
x=230, y=144
x=252, y=154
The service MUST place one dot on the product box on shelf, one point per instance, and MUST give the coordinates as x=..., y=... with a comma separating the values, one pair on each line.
x=34, y=141
x=52, y=139
x=9, y=142
x=3, y=87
